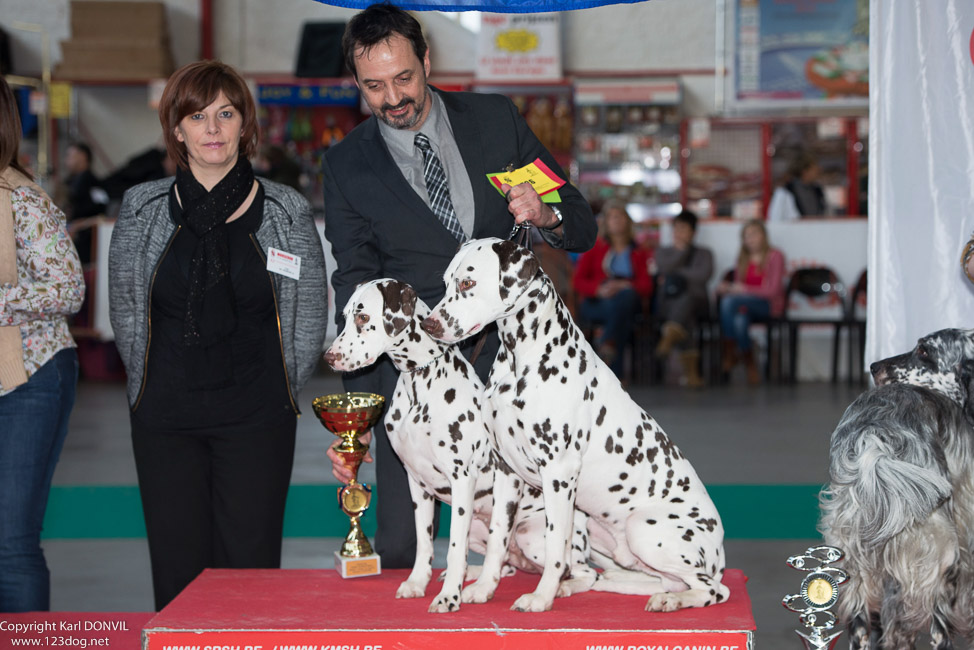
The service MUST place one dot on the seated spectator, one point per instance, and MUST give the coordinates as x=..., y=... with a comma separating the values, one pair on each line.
x=85, y=198
x=682, y=272
x=613, y=281
x=800, y=195
x=755, y=293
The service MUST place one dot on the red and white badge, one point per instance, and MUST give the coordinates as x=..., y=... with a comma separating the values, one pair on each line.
x=283, y=263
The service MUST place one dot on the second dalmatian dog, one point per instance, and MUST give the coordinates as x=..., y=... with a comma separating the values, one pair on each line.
x=565, y=425
x=435, y=426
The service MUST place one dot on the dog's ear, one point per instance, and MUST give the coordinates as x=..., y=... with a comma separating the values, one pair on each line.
x=398, y=305
x=965, y=376
x=408, y=297
x=518, y=266
x=968, y=337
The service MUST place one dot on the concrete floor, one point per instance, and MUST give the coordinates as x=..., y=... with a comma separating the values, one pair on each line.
x=769, y=436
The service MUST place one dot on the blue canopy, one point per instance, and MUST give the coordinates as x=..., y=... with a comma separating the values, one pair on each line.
x=493, y=6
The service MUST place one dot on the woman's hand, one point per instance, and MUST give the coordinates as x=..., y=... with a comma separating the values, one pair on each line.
x=612, y=286
x=730, y=288
x=339, y=469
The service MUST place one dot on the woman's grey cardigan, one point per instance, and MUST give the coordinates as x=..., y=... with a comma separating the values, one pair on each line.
x=142, y=235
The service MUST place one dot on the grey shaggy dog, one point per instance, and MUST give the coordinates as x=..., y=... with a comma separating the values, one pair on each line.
x=900, y=502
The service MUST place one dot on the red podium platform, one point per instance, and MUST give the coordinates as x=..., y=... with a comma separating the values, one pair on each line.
x=318, y=610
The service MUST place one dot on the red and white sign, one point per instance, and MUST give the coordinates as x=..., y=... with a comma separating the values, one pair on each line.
x=519, y=47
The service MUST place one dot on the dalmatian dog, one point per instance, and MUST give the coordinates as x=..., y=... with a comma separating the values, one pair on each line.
x=565, y=425
x=435, y=426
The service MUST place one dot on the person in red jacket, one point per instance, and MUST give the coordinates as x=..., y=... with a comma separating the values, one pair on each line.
x=614, y=283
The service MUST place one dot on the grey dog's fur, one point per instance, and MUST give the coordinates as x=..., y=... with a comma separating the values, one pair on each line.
x=900, y=502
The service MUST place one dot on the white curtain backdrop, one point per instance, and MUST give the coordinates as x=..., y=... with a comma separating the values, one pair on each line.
x=921, y=170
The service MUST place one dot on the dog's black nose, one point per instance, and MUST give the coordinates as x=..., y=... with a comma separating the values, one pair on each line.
x=331, y=357
x=433, y=327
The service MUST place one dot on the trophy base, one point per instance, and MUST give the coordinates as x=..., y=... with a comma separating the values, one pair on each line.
x=357, y=567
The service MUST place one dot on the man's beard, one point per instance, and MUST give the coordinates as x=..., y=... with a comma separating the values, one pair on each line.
x=407, y=120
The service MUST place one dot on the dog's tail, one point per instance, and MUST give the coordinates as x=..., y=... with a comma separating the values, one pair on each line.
x=882, y=481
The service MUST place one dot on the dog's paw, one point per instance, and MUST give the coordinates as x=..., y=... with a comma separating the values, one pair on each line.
x=445, y=603
x=411, y=590
x=479, y=592
x=663, y=603
x=670, y=602
x=472, y=573
x=575, y=586
x=531, y=603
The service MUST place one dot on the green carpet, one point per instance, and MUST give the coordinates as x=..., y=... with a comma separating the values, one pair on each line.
x=104, y=512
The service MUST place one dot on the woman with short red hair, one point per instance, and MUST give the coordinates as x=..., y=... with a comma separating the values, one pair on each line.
x=217, y=337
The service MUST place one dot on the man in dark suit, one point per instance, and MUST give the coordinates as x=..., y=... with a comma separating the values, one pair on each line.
x=380, y=183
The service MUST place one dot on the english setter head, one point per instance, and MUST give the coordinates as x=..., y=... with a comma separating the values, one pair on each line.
x=934, y=363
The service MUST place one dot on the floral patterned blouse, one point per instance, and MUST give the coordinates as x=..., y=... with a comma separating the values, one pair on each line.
x=50, y=285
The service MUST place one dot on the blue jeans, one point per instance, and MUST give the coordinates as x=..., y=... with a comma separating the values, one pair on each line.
x=33, y=425
x=736, y=315
x=616, y=315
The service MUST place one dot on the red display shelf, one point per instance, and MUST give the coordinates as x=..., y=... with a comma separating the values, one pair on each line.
x=264, y=609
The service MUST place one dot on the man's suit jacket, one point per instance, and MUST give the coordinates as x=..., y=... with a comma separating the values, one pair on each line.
x=379, y=227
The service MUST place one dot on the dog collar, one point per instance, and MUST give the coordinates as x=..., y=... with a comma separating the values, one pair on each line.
x=427, y=364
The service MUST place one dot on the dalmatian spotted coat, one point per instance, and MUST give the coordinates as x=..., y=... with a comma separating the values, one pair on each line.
x=435, y=426
x=565, y=425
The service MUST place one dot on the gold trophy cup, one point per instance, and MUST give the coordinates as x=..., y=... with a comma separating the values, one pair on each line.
x=348, y=416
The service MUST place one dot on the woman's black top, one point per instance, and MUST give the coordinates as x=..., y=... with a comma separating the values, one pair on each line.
x=187, y=388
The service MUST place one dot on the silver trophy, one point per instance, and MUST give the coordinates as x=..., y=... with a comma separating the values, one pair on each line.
x=819, y=592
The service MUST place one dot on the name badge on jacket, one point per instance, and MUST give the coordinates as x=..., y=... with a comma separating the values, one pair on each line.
x=286, y=264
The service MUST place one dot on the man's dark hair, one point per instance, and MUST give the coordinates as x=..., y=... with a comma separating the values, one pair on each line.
x=374, y=25
x=83, y=148
x=689, y=218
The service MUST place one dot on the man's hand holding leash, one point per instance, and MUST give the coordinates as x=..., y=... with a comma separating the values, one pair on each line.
x=528, y=208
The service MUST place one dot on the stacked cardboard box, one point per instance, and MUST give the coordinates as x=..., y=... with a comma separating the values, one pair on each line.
x=113, y=40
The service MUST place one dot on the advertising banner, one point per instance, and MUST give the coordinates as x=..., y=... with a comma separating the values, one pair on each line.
x=521, y=47
x=799, y=53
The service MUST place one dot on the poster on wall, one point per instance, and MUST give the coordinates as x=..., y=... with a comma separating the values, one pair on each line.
x=519, y=47
x=800, y=53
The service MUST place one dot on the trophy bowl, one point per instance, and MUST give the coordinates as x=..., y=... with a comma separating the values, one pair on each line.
x=348, y=413
x=348, y=416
